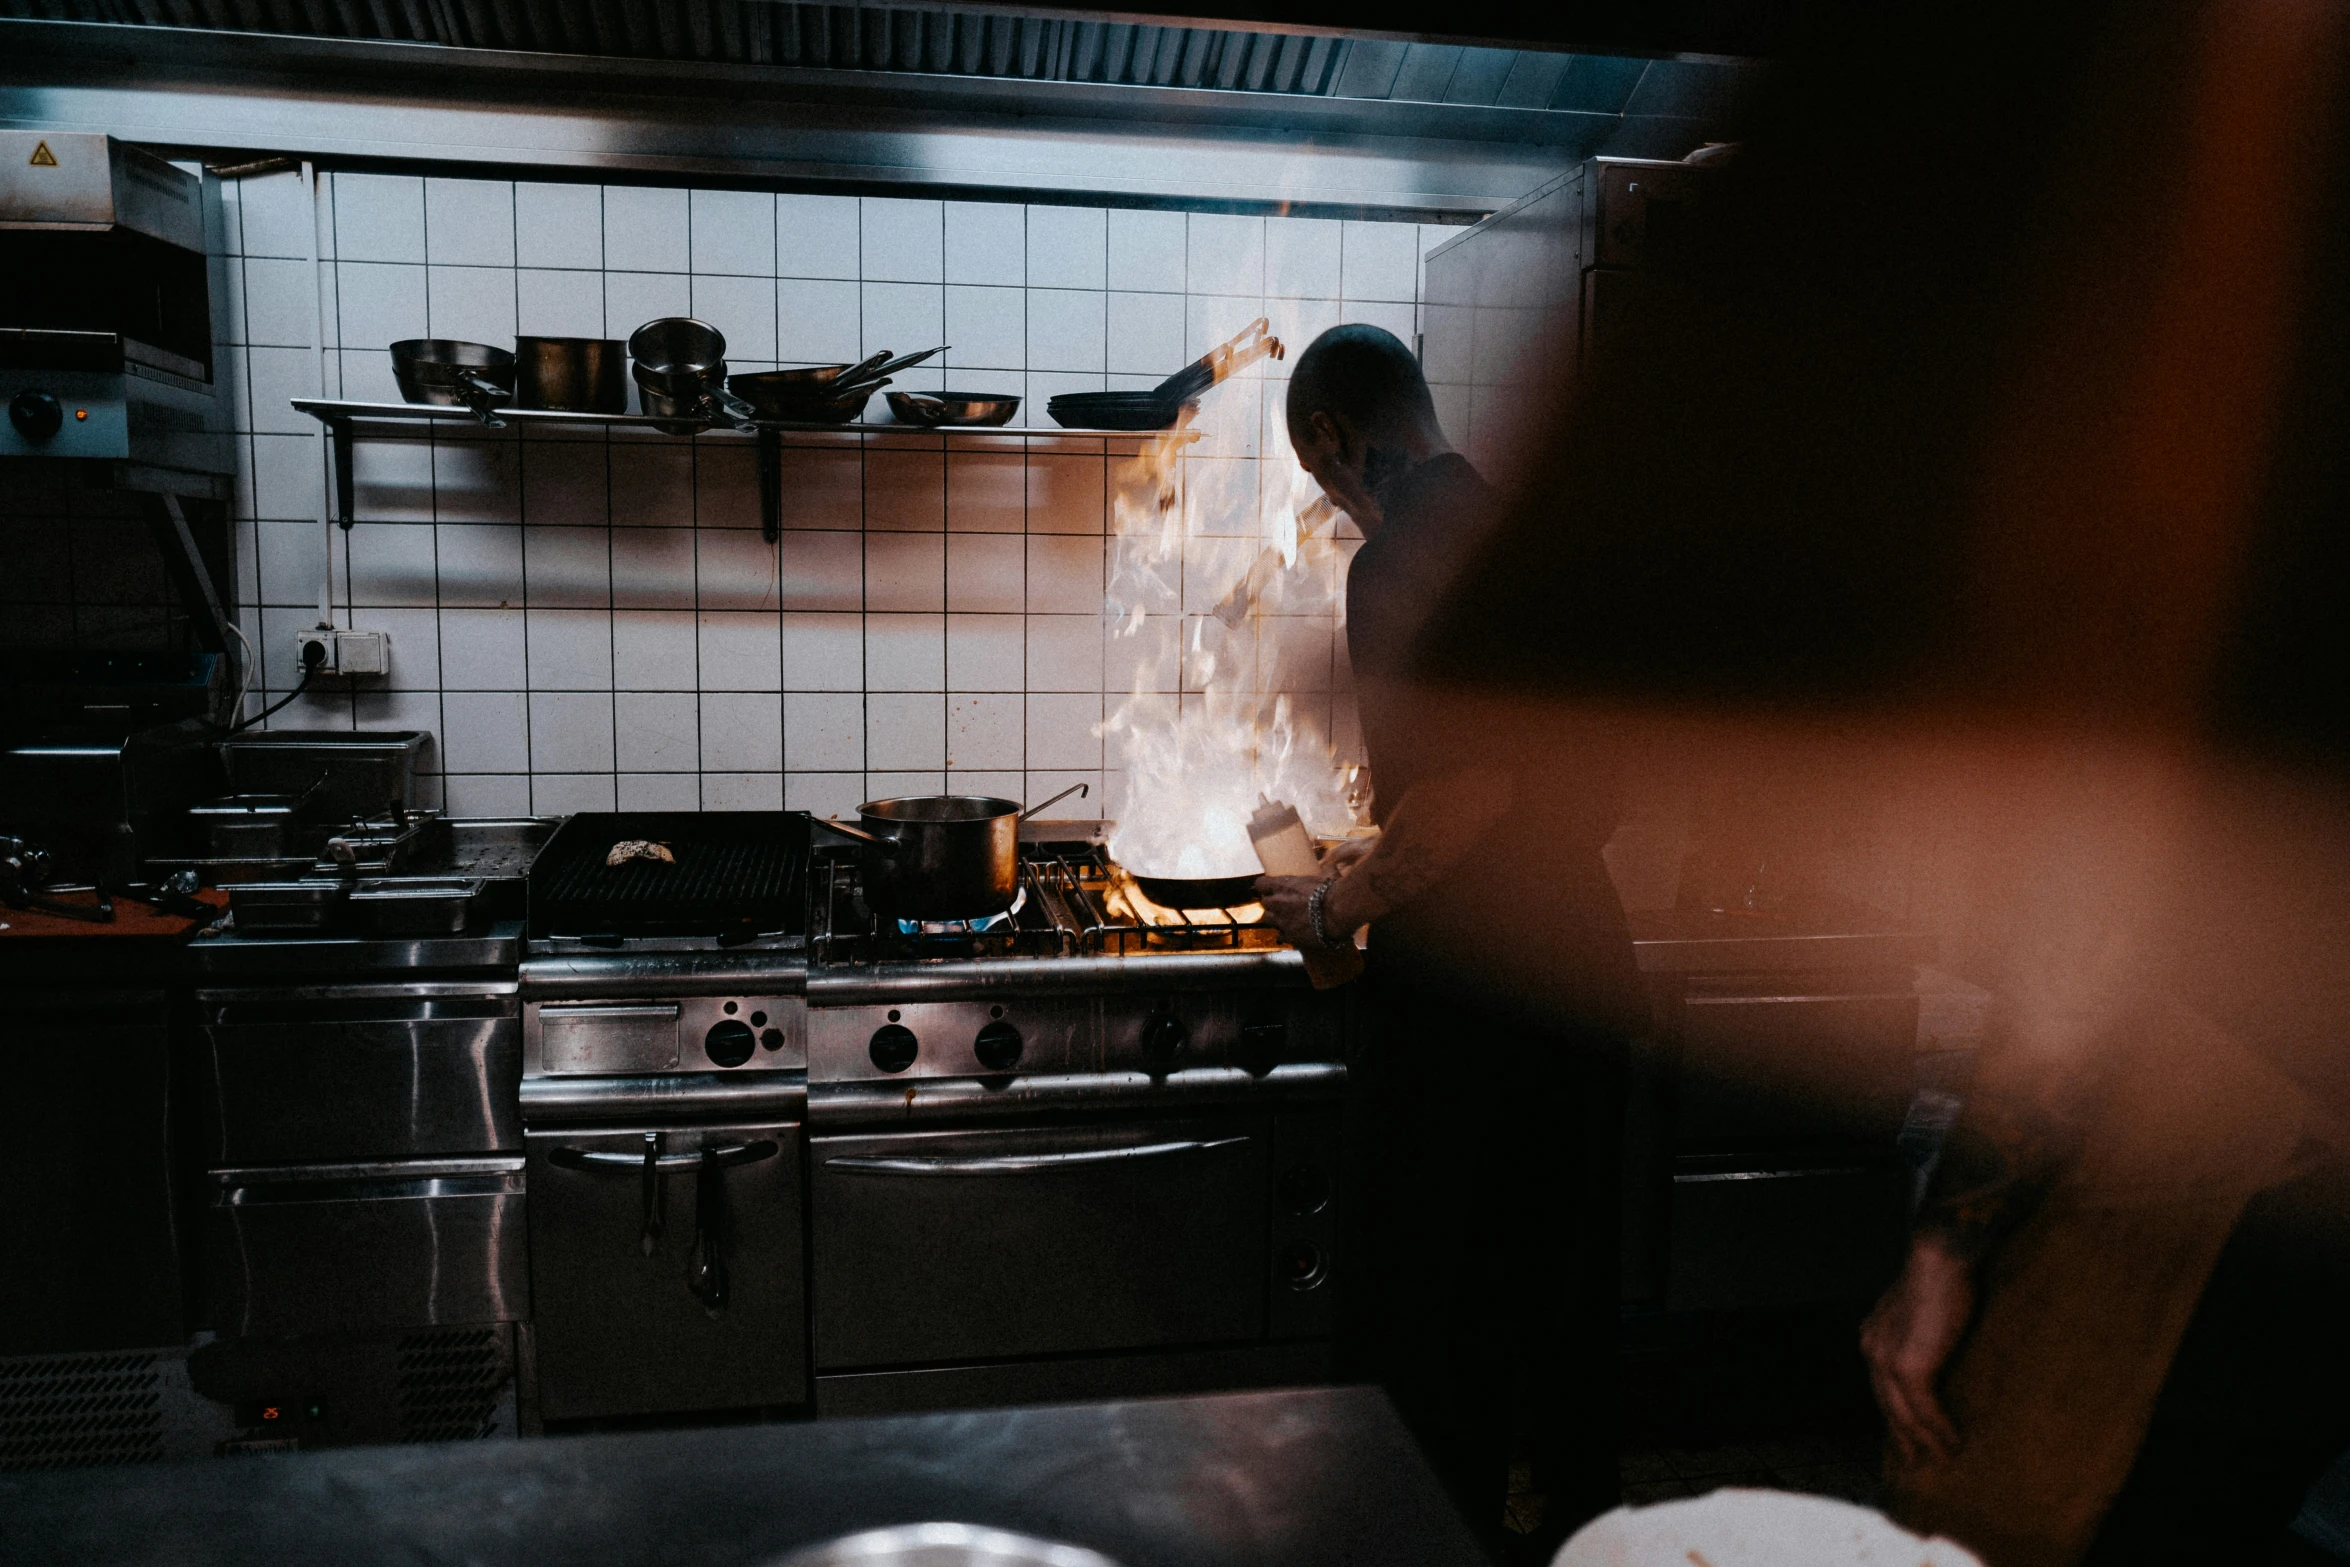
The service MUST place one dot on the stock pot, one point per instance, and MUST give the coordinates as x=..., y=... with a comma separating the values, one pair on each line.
x=942, y=856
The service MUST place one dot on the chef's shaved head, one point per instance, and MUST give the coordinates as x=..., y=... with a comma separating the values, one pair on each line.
x=1363, y=374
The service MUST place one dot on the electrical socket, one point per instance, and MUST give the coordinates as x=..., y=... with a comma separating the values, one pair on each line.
x=343, y=652
x=363, y=652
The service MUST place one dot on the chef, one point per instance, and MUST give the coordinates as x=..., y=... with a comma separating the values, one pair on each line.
x=1487, y=1124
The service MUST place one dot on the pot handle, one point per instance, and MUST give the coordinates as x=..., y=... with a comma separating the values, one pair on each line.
x=1076, y=788
x=871, y=839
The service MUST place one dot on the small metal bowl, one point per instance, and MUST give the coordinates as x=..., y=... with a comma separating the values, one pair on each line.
x=956, y=408
x=944, y=1545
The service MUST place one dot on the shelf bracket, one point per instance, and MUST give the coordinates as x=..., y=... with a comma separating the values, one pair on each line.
x=338, y=429
x=770, y=448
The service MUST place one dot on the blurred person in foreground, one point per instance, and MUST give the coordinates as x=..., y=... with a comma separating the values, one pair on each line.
x=1985, y=472
x=1486, y=1142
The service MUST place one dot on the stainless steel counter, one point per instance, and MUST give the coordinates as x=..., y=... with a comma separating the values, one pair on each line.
x=1678, y=942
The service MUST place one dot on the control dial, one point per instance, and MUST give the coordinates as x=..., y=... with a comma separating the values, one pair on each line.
x=36, y=415
x=730, y=1043
x=998, y=1047
x=894, y=1047
x=1163, y=1038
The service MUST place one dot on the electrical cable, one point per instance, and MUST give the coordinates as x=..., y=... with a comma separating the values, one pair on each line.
x=245, y=666
x=313, y=655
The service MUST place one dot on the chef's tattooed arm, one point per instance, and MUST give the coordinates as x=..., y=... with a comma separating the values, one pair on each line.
x=1432, y=830
x=2022, y=1122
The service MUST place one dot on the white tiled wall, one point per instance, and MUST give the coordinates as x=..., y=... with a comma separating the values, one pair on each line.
x=590, y=620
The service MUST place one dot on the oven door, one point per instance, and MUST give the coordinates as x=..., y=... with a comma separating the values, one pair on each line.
x=977, y=1245
x=629, y=1317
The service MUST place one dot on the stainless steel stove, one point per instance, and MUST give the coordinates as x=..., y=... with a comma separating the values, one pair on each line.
x=1086, y=1149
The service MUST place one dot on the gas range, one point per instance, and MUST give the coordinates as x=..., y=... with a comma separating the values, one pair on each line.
x=1084, y=993
x=1089, y=1149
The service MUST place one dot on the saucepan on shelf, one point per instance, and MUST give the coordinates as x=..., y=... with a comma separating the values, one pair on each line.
x=680, y=369
x=942, y=856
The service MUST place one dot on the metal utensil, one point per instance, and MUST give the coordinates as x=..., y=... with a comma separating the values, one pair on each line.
x=572, y=374
x=942, y=856
x=869, y=371
x=955, y=408
x=943, y=1545
x=447, y=373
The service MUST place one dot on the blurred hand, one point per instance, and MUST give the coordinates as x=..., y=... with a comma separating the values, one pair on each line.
x=1907, y=1341
x=1345, y=852
x=1284, y=898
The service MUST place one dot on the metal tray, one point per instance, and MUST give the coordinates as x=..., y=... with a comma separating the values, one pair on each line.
x=313, y=903
x=416, y=906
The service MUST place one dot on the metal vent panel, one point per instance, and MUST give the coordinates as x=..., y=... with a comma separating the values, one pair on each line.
x=454, y=1385
x=758, y=32
x=58, y=1411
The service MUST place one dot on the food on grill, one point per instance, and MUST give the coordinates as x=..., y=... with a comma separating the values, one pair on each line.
x=639, y=849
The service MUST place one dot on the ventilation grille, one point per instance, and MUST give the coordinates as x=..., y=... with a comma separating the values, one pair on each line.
x=450, y=1382
x=760, y=32
x=62, y=1410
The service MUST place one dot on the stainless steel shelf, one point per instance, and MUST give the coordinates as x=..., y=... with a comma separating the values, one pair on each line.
x=342, y=420
x=327, y=410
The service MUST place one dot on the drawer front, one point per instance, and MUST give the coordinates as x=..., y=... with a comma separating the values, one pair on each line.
x=607, y=1038
x=367, y=1256
x=1769, y=1068
x=975, y=1245
x=358, y=1088
x=1748, y=1239
x=619, y=1330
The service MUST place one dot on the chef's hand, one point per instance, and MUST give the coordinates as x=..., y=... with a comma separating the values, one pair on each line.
x=1907, y=1342
x=1285, y=898
x=1345, y=852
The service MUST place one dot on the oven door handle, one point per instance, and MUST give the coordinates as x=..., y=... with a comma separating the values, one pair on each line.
x=1019, y=1164
x=602, y=1159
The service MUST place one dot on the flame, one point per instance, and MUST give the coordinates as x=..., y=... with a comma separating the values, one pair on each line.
x=1191, y=530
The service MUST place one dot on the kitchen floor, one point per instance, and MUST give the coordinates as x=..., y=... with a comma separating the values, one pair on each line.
x=1770, y=1399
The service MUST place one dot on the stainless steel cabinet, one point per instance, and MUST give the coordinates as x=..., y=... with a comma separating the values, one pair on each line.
x=413, y=1070
x=628, y=1317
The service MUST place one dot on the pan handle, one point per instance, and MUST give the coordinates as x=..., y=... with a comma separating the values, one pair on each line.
x=872, y=839
x=1076, y=788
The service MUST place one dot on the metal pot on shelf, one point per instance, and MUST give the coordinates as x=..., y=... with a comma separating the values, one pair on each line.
x=585, y=375
x=942, y=856
x=680, y=369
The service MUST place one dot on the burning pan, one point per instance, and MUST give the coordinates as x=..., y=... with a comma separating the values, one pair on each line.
x=942, y=856
x=1198, y=892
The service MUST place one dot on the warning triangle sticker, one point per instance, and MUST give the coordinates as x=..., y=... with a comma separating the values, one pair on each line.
x=43, y=158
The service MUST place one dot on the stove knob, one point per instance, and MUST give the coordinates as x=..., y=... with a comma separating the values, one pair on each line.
x=1163, y=1037
x=998, y=1047
x=36, y=415
x=730, y=1043
x=894, y=1047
